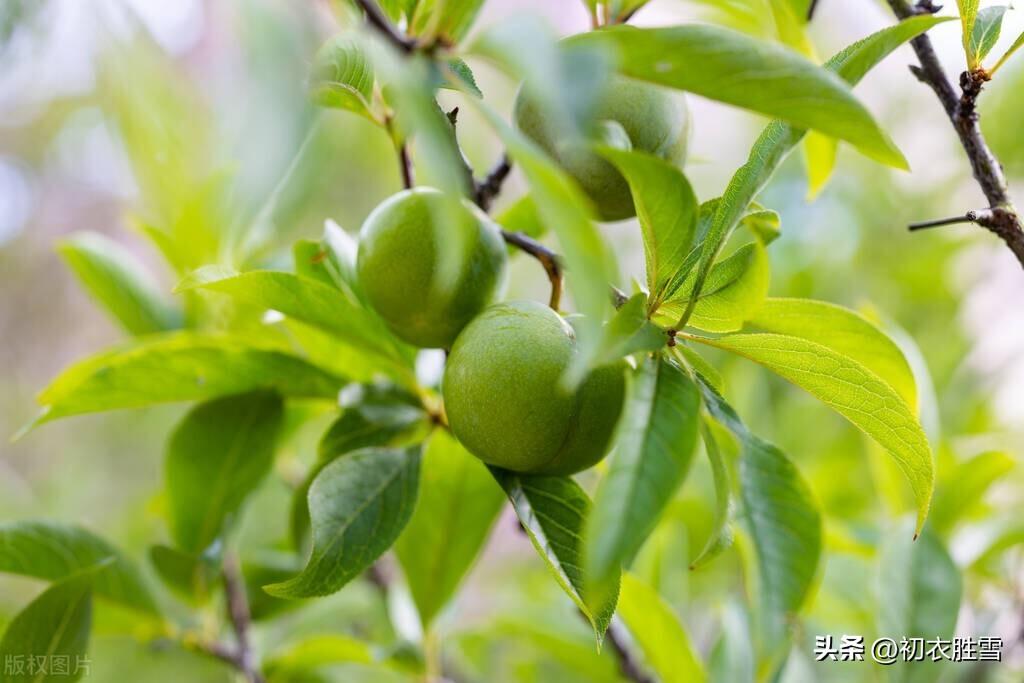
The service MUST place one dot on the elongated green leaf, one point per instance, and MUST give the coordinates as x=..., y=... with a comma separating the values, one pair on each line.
x=119, y=283
x=968, y=15
x=457, y=505
x=306, y=300
x=192, y=577
x=853, y=391
x=589, y=264
x=359, y=505
x=653, y=451
x=732, y=658
x=342, y=77
x=316, y=652
x=667, y=209
x=629, y=331
x=844, y=331
x=985, y=33
x=963, y=488
x=781, y=514
x=721, y=536
x=52, y=629
x=553, y=511
x=521, y=216
x=216, y=457
x=180, y=367
x=51, y=551
x=779, y=138
x=919, y=591
x=659, y=633
x=1017, y=44
x=820, y=159
x=746, y=72
x=444, y=20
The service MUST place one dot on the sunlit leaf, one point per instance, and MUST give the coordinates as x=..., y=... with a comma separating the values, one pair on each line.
x=662, y=637
x=852, y=390
x=968, y=15
x=119, y=283
x=985, y=33
x=653, y=450
x=51, y=551
x=180, y=367
x=342, y=77
x=457, y=505
x=445, y=20
x=216, y=456
x=553, y=511
x=960, y=490
x=820, y=158
x=359, y=505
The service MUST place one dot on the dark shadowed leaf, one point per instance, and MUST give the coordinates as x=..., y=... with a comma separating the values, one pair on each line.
x=456, y=507
x=553, y=511
x=191, y=577
x=216, y=457
x=653, y=450
x=358, y=505
x=721, y=536
x=56, y=624
x=51, y=551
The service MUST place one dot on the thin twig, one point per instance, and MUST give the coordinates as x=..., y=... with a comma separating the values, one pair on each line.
x=490, y=187
x=810, y=9
x=961, y=109
x=969, y=217
x=376, y=18
x=548, y=259
x=238, y=611
x=628, y=666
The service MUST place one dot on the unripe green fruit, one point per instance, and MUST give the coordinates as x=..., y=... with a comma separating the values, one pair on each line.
x=642, y=116
x=399, y=265
x=504, y=397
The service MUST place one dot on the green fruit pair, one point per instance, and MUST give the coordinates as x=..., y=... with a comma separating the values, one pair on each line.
x=629, y=115
x=505, y=401
x=399, y=265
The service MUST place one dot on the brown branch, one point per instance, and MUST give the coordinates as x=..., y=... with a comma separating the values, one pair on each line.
x=490, y=187
x=376, y=18
x=548, y=259
x=238, y=611
x=1002, y=218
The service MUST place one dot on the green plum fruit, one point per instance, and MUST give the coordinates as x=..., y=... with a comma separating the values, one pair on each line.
x=629, y=115
x=399, y=265
x=504, y=397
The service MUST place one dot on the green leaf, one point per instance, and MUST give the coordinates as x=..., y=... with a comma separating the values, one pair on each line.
x=653, y=450
x=268, y=567
x=180, y=367
x=629, y=331
x=667, y=209
x=192, y=577
x=919, y=591
x=968, y=15
x=51, y=551
x=52, y=629
x=659, y=632
x=444, y=20
x=553, y=511
x=1017, y=44
x=779, y=138
x=316, y=652
x=721, y=536
x=749, y=73
x=985, y=33
x=781, y=514
x=852, y=390
x=845, y=332
x=359, y=505
x=461, y=71
x=342, y=77
x=522, y=216
x=119, y=283
x=961, y=489
x=306, y=300
x=732, y=658
x=820, y=158
x=457, y=505
x=216, y=456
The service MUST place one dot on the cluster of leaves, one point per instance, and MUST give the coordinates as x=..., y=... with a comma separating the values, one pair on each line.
x=262, y=351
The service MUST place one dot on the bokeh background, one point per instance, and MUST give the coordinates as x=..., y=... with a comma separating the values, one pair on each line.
x=109, y=105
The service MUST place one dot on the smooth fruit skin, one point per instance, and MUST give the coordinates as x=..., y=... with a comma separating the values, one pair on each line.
x=504, y=398
x=655, y=120
x=398, y=265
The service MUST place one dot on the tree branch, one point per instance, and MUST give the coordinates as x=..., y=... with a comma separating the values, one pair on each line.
x=490, y=187
x=1002, y=219
x=238, y=611
x=548, y=259
x=376, y=18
